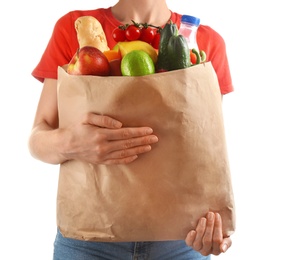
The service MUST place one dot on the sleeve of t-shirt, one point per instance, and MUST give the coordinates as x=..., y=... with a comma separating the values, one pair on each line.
x=59, y=50
x=214, y=45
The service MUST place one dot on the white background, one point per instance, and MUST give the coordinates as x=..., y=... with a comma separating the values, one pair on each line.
x=251, y=30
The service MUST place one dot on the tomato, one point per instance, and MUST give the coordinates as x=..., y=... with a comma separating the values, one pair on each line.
x=132, y=33
x=147, y=34
x=118, y=34
x=193, y=57
x=156, y=41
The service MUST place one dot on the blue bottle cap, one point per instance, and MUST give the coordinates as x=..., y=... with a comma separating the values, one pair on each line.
x=190, y=19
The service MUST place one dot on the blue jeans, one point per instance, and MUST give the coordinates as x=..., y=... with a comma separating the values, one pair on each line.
x=71, y=249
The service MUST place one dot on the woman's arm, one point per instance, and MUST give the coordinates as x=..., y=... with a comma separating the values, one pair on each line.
x=94, y=138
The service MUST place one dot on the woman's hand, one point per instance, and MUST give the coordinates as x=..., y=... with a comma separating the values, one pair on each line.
x=94, y=138
x=101, y=139
x=207, y=238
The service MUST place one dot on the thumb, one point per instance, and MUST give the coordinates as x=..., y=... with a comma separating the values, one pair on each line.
x=226, y=243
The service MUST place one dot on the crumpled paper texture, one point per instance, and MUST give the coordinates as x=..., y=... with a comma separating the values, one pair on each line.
x=162, y=194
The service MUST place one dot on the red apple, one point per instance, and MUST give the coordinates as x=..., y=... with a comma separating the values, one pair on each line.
x=89, y=61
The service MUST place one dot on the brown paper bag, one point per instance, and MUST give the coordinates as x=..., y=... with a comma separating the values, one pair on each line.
x=162, y=194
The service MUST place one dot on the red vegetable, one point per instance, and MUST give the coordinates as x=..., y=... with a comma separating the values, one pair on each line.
x=118, y=34
x=156, y=41
x=193, y=57
x=132, y=33
x=147, y=34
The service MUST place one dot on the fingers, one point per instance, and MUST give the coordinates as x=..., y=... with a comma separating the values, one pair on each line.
x=126, y=133
x=124, y=151
x=204, y=233
x=207, y=238
x=200, y=230
x=122, y=133
x=190, y=238
x=101, y=121
x=217, y=234
x=105, y=141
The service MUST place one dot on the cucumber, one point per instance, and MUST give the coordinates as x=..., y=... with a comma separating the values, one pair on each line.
x=163, y=60
x=178, y=53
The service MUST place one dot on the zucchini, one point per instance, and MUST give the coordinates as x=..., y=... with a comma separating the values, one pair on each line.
x=163, y=60
x=178, y=53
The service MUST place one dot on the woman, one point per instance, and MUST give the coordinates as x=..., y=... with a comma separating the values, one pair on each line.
x=100, y=139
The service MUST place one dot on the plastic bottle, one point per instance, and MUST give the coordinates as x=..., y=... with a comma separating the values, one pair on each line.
x=188, y=28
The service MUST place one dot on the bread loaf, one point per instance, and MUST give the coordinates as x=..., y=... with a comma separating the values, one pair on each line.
x=90, y=33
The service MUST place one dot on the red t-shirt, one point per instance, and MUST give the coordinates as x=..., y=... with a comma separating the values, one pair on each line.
x=63, y=44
